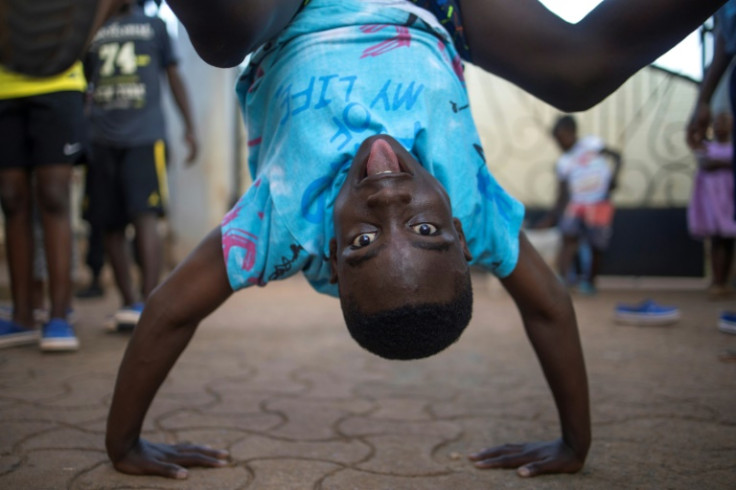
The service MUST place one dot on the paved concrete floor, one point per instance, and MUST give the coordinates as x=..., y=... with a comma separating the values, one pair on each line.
x=274, y=377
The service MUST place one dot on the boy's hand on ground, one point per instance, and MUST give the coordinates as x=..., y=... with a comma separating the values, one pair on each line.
x=530, y=459
x=169, y=460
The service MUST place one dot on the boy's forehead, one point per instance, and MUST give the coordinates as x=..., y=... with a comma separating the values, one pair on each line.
x=428, y=276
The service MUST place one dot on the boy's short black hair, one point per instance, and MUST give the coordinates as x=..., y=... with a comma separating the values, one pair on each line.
x=566, y=122
x=411, y=331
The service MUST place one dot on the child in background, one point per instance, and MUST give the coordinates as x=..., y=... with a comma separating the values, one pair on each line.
x=586, y=179
x=710, y=214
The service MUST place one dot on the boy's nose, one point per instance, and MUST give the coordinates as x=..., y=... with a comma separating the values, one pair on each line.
x=388, y=196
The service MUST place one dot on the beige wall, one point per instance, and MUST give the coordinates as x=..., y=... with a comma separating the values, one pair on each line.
x=644, y=120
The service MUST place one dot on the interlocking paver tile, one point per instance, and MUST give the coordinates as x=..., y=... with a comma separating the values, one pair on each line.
x=327, y=383
x=64, y=438
x=402, y=409
x=164, y=408
x=490, y=403
x=309, y=419
x=104, y=477
x=236, y=400
x=81, y=416
x=8, y=463
x=669, y=437
x=191, y=419
x=405, y=454
x=274, y=377
x=368, y=426
x=336, y=451
x=50, y=469
x=294, y=474
x=14, y=432
x=366, y=480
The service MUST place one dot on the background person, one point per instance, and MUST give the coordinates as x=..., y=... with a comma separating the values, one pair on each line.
x=127, y=175
x=42, y=135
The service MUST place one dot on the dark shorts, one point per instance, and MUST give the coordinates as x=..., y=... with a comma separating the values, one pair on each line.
x=123, y=183
x=42, y=130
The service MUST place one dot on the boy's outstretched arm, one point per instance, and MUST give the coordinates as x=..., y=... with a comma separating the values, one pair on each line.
x=193, y=290
x=617, y=164
x=550, y=323
x=224, y=31
x=575, y=66
x=700, y=120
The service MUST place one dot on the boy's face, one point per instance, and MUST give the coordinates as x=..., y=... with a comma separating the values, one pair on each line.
x=565, y=138
x=396, y=241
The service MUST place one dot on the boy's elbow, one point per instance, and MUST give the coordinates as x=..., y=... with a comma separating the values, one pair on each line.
x=575, y=102
x=584, y=84
x=578, y=92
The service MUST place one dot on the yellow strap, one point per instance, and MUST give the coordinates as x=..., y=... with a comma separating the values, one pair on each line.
x=159, y=157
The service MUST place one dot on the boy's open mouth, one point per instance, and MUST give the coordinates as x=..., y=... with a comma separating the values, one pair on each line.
x=382, y=160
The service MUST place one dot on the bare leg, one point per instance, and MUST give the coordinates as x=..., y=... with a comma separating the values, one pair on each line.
x=15, y=197
x=39, y=290
x=53, y=188
x=148, y=244
x=728, y=265
x=595, y=263
x=566, y=255
x=721, y=254
x=117, y=252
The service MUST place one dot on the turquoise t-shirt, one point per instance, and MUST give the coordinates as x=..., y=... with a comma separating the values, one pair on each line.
x=341, y=72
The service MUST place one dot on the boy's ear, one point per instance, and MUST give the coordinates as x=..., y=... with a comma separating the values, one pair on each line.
x=333, y=261
x=461, y=235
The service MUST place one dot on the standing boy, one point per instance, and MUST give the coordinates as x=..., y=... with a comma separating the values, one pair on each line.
x=42, y=136
x=586, y=179
x=127, y=175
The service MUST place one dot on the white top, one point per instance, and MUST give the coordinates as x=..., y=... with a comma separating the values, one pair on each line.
x=587, y=172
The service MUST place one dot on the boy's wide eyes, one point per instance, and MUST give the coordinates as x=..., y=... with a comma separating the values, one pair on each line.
x=425, y=229
x=364, y=239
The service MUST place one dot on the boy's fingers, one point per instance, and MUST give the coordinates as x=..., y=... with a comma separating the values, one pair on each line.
x=172, y=470
x=206, y=450
x=507, y=461
x=533, y=469
x=198, y=459
x=169, y=470
x=493, y=452
x=547, y=466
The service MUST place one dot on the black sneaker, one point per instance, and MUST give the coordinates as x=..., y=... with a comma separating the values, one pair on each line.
x=44, y=37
